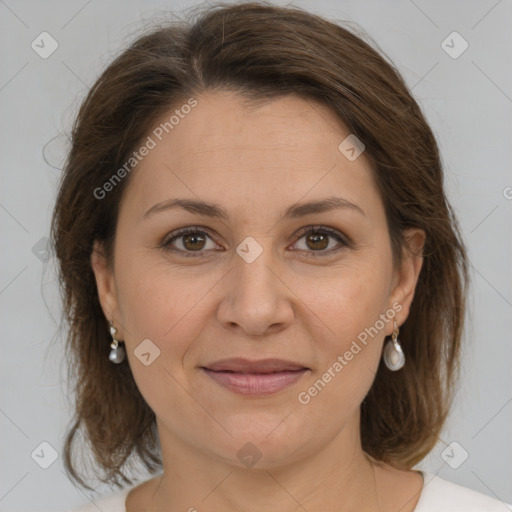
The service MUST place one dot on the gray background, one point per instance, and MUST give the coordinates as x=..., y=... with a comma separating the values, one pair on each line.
x=468, y=102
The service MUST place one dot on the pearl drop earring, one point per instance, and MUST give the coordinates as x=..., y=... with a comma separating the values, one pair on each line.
x=117, y=354
x=394, y=357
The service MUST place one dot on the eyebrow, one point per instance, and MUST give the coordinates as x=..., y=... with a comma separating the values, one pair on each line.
x=216, y=211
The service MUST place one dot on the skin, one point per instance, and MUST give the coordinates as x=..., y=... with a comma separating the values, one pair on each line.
x=289, y=303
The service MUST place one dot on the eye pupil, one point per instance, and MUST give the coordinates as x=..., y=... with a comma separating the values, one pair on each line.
x=193, y=237
x=319, y=238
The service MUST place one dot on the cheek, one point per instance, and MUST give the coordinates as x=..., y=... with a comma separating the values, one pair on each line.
x=349, y=346
x=354, y=300
x=352, y=328
x=155, y=305
x=159, y=305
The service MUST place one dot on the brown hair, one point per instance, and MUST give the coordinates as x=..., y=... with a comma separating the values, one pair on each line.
x=261, y=51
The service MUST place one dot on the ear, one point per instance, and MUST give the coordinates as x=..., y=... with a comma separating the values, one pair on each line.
x=406, y=277
x=105, y=283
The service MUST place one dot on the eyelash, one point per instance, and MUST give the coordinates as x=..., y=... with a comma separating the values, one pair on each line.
x=166, y=244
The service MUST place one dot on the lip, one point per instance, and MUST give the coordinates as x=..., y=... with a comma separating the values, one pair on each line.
x=241, y=365
x=256, y=378
x=256, y=384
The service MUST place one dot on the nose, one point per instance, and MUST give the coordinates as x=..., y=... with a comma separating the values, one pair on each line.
x=255, y=299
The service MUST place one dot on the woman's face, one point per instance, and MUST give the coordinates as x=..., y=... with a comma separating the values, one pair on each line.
x=254, y=284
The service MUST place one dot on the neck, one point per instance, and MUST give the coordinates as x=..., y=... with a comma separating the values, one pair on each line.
x=320, y=480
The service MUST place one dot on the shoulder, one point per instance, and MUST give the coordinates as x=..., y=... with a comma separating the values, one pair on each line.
x=117, y=502
x=440, y=495
x=113, y=503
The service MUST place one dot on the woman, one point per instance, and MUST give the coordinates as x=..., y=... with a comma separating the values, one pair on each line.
x=265, y=283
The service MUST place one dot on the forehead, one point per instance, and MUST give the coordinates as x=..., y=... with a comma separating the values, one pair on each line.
x=228, y=148
x=282, y=124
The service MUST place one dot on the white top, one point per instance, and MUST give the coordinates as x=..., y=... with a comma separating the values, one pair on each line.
x=437, y=495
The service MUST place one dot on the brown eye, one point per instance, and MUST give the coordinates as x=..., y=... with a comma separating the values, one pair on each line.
x=317, y=239
x=317, y=242
x=187, y=241
x=193, y=242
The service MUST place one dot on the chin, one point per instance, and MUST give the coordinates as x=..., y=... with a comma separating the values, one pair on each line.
x=260, y=444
